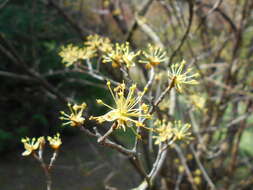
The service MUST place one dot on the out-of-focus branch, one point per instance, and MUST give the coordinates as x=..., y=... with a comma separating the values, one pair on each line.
x=201, y=167
x=222, y=13
x=15, y=75
x=191, y=13
x=142, y=11
x=230, y=89
x=211, y=10
x=119, y=19
x=149, y=31
x=95, y=74
x=16, y=59
x=80, y=30
x=187, y=170
x=235, y=147
x=4, y=4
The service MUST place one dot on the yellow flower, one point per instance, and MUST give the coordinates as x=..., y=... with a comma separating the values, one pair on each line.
x=189, y=156
x=31, y=145
x=181, y=169
x=197, y=180
x=106, y=3
x=125, y=110
x=75, y=118
x=181, y=131
x=55, y=141
x=99, y=43
x=120, y=55
x=175, y=74
x=70, y=54
x=164, y=131
x=176, y=161
x=168, y=131
x=198, y=101
x=153, y=56
x=197, y=172
x=116, y=12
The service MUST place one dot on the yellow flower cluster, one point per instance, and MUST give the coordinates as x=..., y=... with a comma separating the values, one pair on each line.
x=31, y=145
x=181, y=78
x=99, y=43
x=153, y=56
x=71, y=54
x=75, y=118
x=55, y=141
x=34, y=144
x=164, y=131
x=171, y=132
x=198, y=102
x=127, y=109
x=181, y=131
x=197, y=177
x=120, y=55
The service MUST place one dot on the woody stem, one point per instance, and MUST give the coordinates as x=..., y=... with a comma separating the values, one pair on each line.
x=102, y=139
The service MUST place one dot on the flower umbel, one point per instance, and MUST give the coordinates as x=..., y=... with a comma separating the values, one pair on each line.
x=171, y=132
x=99, y=43
x=31, y=145
x=120, y=55
x=75, y=118
x=153, y=56
x=55, y=141
x=126, y=107
x=198, y=102
x=70, y=54
x=176, y=74
x=164, y=131
x=181, y=131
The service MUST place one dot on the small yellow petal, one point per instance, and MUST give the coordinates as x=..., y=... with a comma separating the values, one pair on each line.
x=26, y=153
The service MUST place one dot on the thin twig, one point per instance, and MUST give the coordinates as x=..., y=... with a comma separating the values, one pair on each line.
x=15, y=75
x=163, y=149
x=147, y=86
x=45, y=169
x=211, y=10
x=206, y=176
x=112, y=128
x=14, y=57
x=191, y=13
x=80, y=30
x=179, y=180
x=4, y=4
x=162, y=152
x=142, y=11
x=149, y=31
x=222, y=13
x=52, y=160
x=109, y=143
x=183, y=161
x=161, y=97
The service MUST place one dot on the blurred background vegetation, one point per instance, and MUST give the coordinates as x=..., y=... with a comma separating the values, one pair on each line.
x=36, y=31
x=35, y=85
